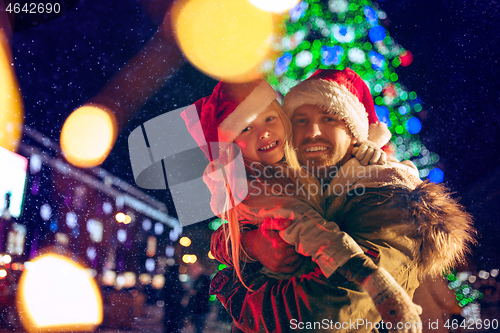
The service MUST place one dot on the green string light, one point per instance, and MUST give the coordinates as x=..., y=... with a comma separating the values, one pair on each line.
x=215, y=224
x=464, y=293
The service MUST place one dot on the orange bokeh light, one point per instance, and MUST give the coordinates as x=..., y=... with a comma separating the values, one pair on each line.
x=226, y=39
x=56, y=294
x=88, y=135
x=11, y=102
x=120, y=217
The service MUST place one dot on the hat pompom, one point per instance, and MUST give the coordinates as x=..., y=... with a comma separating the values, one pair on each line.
x=214, y=171
x=379, y=134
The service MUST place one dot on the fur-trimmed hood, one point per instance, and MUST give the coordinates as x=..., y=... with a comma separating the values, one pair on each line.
x=395, y=208
x=443, y=226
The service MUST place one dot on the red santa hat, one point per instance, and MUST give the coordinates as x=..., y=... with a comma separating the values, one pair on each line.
x=223, y=115
x=344, y=94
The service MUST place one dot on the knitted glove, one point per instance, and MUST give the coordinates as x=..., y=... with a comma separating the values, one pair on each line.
x=368, y=153
x=358, y=268
x=393, y=303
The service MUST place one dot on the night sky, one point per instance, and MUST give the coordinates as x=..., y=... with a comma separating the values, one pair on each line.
x=455, y=44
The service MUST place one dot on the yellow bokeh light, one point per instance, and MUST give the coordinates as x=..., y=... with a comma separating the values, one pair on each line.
x=119, y=282
x=189, y=258
x=3, y=273
x=226, y=39
x=158, y=281
x=7, y=259
x=109, y=278
x=120, y=217
x=275, y=6
x=210, y=255
x=127, y=219
x=184, y=241
x=145, y=278
x=57, y=295
x=88, y=135
x=11, y=103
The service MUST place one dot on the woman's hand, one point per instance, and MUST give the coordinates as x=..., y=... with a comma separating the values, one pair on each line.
x=368, y=153
x=266, y=246
x=393, y=303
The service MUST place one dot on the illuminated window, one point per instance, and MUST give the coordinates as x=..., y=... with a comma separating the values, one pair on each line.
x=121, y=235
x=146, y=225
x=16, y=239
x=91, y=253
x=71, y=220
x=151, y=248
x=45, y=212
x=95, y=230
x=169, y=251
x=150, y=264
x=159, y=227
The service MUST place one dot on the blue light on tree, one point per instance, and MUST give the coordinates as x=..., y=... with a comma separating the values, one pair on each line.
x=297, y=12
x=281, y=65
x=377, y=60
x=413, y=125
x=377, y=34
x=383, y=115
x=403, y=110
x=331, y=55
x=371, y=15
x=436, y=175
x=343, y=33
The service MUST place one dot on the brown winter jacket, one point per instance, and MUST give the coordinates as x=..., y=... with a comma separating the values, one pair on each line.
x=413, y=229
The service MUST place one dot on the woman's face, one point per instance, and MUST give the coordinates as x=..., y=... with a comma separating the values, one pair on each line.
x=263, y=140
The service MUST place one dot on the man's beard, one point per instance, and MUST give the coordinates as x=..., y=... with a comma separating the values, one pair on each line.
x=325, y=166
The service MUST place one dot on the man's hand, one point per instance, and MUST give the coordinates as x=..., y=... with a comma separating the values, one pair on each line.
x=265, y=245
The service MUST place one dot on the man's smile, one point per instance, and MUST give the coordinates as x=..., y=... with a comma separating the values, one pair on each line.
x=316, y=148
x=313, y=150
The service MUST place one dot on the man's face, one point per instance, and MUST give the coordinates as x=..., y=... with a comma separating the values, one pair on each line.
x=321, y=139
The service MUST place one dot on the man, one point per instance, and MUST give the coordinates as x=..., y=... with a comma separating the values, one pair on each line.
x=407, y=227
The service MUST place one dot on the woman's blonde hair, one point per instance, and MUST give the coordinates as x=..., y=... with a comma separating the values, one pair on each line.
x=232, y=229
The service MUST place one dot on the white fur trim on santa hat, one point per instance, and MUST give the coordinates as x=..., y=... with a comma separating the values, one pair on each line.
x=334, y=98
x=379, y=134
x=246, y=112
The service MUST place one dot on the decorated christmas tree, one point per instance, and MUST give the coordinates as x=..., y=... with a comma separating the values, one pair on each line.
x=339, y=34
